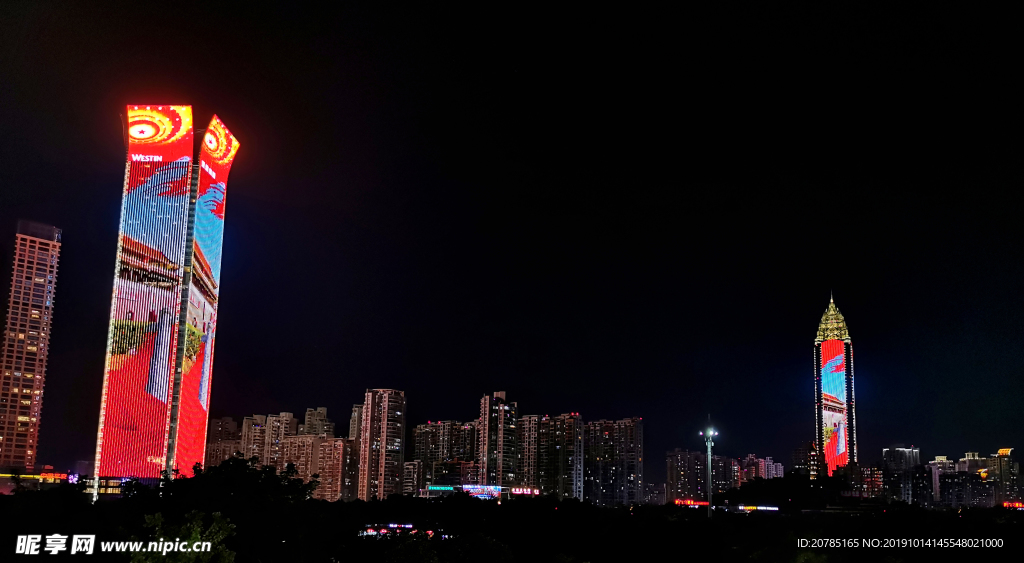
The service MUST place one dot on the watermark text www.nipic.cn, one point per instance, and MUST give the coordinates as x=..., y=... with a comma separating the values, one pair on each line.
x=57, y=543
x=899, y=542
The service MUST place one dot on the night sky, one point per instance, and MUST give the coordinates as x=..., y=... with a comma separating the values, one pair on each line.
x=616, y=213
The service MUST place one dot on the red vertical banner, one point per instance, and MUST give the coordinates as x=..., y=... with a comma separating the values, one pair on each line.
x=217, y=153
x=835, y=440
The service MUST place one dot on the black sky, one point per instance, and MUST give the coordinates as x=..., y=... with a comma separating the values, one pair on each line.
x=628, y=213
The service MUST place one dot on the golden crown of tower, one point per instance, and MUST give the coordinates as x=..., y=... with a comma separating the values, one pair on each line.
x=833, y=325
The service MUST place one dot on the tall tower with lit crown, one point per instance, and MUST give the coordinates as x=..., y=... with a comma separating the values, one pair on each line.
x=834, y=410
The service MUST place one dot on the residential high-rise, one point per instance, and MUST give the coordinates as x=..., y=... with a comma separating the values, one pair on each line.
x=465, y=441
x=323, y=458
x=551, y=454
x=751, y=468
x=613, y=467
x=805, y=460
x=382, y=444
x=254, y=436
x=442, y=440
x=936, y=468
x=1003, y=471
x=316, y=423
x=834, y=410
x=725, y=473
x=26, y=342
x=898, y=463
x=413, y=479
x=338, y=470
x=301, y=451
x=687, y=475
x=527, y=437
x=278, y=427
x=772, y=469
x=223, y=439
x=496, y=449
x=163, y=312
x=355, y=422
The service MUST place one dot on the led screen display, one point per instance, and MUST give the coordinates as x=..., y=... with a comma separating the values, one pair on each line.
x=217, y=152
x=145, y=307
x=834, y=404
x=482, y=491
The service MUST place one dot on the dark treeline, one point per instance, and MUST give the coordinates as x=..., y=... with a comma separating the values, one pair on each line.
x=253, y=514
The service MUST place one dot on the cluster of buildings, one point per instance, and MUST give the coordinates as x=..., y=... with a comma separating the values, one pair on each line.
x=971, y=481
x=558, y=455
x=501, y=452
x=687, y=473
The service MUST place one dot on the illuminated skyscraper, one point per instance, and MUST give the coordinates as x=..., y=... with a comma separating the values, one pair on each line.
x=834, y=413
x=163, y=312
x=26, y=342
x=382, y=444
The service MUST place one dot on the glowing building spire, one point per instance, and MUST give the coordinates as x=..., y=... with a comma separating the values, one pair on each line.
x=832, y=325
x=835, y=407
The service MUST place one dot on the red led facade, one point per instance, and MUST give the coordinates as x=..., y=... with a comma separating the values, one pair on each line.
x=217, y=152
x=834, y=404
x=155, y=398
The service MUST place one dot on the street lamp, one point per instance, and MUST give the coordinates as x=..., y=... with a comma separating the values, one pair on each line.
x=709, y=436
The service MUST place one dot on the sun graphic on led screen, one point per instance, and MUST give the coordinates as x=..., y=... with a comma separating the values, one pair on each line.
x=219, y=143
x=158, y=124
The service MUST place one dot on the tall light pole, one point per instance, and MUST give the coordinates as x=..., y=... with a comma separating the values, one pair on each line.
x=709, y=435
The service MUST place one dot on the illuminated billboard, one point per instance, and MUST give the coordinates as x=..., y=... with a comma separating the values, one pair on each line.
x=217, y=152
x=834, y=404
x=163, y=309
x=482, y=491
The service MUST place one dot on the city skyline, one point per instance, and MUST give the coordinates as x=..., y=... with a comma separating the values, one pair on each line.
x=469, y=220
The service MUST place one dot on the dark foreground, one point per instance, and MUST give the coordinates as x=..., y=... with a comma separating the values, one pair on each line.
x=251, y=515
